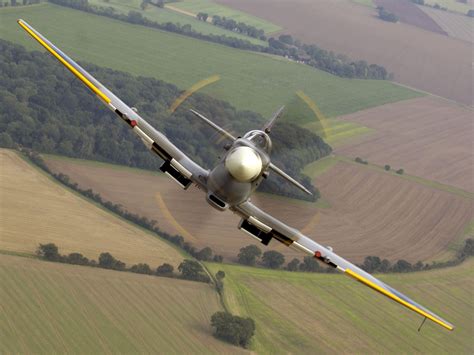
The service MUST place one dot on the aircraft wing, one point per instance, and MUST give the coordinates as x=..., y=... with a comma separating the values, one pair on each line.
x=177, y=165
x=264, y=227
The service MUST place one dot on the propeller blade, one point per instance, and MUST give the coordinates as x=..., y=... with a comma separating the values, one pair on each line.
x=288, y=178
x=213, y=125
x=268, y=126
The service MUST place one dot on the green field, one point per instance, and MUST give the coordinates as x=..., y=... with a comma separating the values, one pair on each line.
x=452, y=5
x=211, y=8
x=164, y=15
x=249, y=80
x=369, y=3
x=316, y=313
x=51, y=308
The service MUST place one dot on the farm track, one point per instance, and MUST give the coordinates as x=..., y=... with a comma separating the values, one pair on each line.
x=370, y=213
x=418, y=58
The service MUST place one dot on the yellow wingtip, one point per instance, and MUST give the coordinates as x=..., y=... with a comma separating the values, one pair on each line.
x=73, y=70
x=397, y=299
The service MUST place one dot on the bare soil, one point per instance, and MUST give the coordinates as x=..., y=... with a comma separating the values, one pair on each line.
x=427, y=137
x=418, y=58
x=410, y=14
x=371, y=213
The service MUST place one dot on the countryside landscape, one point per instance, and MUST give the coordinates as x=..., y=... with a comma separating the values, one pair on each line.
x=100, y=252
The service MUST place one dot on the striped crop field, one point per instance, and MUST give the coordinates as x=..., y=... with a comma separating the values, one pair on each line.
x=51, y=308
x=35, y=209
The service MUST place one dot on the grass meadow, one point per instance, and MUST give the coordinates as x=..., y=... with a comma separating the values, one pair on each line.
x=319, y=313
x=249, y=80
x=212, y=8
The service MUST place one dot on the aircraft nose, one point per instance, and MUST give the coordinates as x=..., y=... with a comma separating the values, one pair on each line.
x=244, y=164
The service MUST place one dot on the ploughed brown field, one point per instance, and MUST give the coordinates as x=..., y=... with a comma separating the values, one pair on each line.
x=427, y=137
x=456, y=25
x=370, y=213
x=410, y=14
x=418, y=58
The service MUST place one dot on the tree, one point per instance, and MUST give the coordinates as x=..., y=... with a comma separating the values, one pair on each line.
x=220, y=275
x=293, y=265
x=233, y=329
x=218, y=258
x=248, y=255
x=107, y=261
x=372, y=264
x=387, y=167
x=48, y=251
x=192, y=270
x=144, y=4
x=273, y=259
x=401, y=266
x=384, y=266
x=202, y=16
x=310, y=264
x=286, y=39
x=164, y=270
x=467, y=249
x=400, y=171
x=141, y=269
x=77, y=259
x=205, y=254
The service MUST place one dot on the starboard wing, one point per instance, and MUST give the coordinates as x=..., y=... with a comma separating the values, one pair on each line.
x=264, y=227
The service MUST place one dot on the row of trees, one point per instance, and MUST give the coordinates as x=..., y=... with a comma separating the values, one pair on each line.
x=239, y=27
x=189, y=269
x=386, y=15
x=251, y=255
x=285, y=46
x=204, y=254
x=43, y=107
x=374, y=264
x=337, y=64
x=386, y=166
x=18, y=3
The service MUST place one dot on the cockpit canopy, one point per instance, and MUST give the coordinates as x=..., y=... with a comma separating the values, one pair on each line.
x=260, y=139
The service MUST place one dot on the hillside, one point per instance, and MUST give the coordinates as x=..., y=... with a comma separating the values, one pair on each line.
x=34, y=209
x=424, y=60
x=314, y=313
x=428, y=137
x=248, y=80
x=57, y=308
x=364, y=212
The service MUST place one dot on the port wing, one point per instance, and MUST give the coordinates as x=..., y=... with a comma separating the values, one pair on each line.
x=177, y=165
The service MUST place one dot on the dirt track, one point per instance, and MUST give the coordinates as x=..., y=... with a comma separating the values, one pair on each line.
x=428, y=137
x=421, y=59
x=371, y=213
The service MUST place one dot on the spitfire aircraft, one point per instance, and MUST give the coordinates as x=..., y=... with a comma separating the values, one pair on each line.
x=230, y=184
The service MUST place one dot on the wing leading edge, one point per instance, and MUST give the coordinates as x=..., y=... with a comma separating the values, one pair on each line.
x=177, y=165
x=296, y=240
